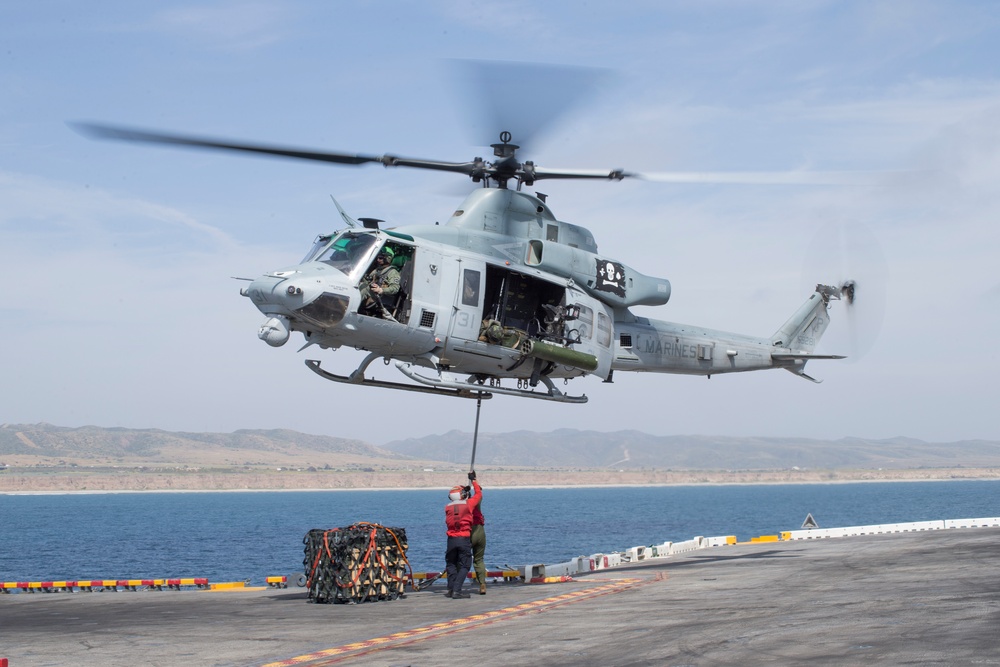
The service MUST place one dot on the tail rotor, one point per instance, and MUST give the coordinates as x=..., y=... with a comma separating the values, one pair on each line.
x=852, y=253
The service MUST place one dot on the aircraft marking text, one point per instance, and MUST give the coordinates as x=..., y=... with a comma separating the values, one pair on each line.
x=669, y=348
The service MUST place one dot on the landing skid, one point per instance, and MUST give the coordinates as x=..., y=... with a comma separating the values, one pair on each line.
x=358, y=378
x=470, y=388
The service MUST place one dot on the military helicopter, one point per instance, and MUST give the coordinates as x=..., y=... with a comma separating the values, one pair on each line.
x=503, y=299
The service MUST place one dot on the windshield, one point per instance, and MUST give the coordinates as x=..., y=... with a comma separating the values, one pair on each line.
x=349, y=251
x=321, y=242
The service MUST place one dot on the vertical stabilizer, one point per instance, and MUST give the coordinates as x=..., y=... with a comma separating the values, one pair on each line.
x=803, y=330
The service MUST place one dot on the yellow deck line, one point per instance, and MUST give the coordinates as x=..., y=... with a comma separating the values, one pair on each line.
x=447, y=627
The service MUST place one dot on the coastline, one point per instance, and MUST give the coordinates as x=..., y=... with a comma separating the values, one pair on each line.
x=94, y=492
x=57, y=483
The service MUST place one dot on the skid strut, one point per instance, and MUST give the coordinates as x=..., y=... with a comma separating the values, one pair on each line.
x=473, y=387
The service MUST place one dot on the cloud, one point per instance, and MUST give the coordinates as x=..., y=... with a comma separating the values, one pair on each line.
x=238, y=26
x=35, y=206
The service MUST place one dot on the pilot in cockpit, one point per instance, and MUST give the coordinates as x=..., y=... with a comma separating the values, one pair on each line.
x=382, y=281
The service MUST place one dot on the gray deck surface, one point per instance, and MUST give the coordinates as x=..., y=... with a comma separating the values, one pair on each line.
x=911, y=598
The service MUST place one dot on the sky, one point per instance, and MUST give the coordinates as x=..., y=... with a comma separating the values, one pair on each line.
x=118, y=302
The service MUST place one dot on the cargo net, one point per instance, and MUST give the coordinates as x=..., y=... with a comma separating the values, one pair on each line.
x=365, y=562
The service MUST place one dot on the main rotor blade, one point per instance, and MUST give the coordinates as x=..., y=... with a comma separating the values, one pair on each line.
x=100, y=131
x=763, y=177
x=723, y=177
x=479, y=169
x=601, y=174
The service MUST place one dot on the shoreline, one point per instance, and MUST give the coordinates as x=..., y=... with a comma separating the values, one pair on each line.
x=86, y=484
x=94, y=492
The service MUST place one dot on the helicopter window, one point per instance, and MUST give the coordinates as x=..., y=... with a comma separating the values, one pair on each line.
x=348, y=252
x=584, y=324
x=604, y=330
x=318, y=245
x=470, y=288
x=534, y=253
x=552, y=233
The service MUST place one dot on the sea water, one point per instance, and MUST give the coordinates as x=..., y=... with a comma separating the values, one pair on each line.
x=234, y=536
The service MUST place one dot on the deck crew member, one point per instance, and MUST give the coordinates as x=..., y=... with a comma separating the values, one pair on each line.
x=478, y=542
x=458, y=518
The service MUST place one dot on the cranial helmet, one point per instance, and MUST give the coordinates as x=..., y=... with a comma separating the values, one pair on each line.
x=456, y=492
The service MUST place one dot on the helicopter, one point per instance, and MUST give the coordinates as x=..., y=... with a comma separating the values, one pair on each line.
x=502, y=299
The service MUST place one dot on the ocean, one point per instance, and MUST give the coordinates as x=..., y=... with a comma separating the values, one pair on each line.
x=236, y=536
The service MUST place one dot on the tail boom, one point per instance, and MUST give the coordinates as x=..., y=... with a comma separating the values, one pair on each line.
x=653, y=346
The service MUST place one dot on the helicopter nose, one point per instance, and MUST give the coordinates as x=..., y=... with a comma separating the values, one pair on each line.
x=273, y=293
x=288, y=296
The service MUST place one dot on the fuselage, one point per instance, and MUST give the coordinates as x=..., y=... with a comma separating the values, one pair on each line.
x=503, y=290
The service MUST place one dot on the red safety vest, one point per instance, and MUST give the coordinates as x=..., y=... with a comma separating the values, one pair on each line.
x=458, y=513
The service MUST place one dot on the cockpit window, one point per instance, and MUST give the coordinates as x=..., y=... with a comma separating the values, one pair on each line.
x=348, y=252
x=319, y=244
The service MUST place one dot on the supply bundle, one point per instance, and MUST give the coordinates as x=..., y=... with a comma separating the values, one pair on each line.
x=364, y=562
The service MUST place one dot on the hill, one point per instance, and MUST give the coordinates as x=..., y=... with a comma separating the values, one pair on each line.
x=90, y=445
x=563, y=448
x=47, y=458
x=634, y=450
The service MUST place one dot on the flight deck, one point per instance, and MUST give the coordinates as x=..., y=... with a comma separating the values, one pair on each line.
x=895, y=598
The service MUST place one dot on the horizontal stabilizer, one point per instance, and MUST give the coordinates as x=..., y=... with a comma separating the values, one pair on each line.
x=792, y=356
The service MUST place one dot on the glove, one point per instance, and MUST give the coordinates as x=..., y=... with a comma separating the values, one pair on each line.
x=472, y=475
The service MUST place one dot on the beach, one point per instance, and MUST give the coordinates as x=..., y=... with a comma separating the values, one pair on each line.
x=62, y=481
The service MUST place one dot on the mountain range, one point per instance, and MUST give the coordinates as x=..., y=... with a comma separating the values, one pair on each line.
x=26, y=444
